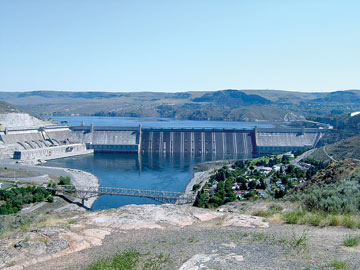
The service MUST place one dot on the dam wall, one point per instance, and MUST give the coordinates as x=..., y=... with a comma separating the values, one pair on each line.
x=217, y=142
x=108, y=139
x=196, y=141
x=282, y=140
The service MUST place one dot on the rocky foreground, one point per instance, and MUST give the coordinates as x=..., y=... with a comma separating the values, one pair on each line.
x=190, y=238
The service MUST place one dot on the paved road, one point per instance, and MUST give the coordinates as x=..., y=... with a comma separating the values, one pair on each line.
x=42, y=179
x=297, y=160
x=32, y=208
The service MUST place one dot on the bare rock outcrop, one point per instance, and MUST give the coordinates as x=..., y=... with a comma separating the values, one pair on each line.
x=86, y=230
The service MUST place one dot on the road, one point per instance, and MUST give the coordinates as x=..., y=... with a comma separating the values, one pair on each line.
x=326, y=153
x=304, y=155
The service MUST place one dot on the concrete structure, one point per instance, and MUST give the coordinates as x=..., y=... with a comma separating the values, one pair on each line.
x=196, y=141
x=54, y=152
x=39, y=143
x=108, y=139
x=45, y=143
x=285, y=139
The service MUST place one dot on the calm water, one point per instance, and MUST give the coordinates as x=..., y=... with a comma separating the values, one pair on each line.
x=155, y=122
x=145, y=171
x=132, y=171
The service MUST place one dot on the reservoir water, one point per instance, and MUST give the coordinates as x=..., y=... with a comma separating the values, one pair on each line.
x=156, y=122
x=146, y=171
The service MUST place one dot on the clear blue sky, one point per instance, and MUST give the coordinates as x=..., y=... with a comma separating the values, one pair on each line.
x=153, y=45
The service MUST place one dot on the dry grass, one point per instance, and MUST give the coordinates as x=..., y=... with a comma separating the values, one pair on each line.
x=301, y=216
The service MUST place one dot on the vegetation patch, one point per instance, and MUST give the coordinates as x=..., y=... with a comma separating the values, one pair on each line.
x=319, y=218
x=351, y=241
x=14, y=198
x=339, y=198
x=123, y=261
x=64, y=181
x=294, y=216
x=131, y=260
x=336, y=264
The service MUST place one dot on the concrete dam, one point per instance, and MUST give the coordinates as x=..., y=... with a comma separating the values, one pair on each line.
x=55, y=142
x=196, y=141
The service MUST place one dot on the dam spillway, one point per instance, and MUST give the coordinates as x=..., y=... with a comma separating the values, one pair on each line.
x=197, y=141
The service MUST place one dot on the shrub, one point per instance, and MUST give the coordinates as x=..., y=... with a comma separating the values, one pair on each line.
x=351, y=241
x=334, y=220
x=341, y=197
x=124, y=261
x=293, y=217
x=63, y=181
x=338, y=264
x=349, y=222
x=315, y=219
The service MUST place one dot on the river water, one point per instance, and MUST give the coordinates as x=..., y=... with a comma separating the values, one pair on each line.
x=146, y=171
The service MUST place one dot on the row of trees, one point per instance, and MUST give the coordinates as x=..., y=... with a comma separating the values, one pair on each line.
x=271, y=162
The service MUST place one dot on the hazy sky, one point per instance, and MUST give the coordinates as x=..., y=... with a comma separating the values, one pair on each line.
x=153, y=45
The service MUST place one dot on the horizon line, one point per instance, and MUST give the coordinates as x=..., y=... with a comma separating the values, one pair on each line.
x=176, y=91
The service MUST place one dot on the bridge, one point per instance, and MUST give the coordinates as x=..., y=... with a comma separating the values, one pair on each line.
x=85, y=192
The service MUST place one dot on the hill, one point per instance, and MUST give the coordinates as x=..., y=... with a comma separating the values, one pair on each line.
x=336, y=172
x=352, y=96
x=7, y=108
x=229, y=105
x=344, y=149
x=232, y=98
